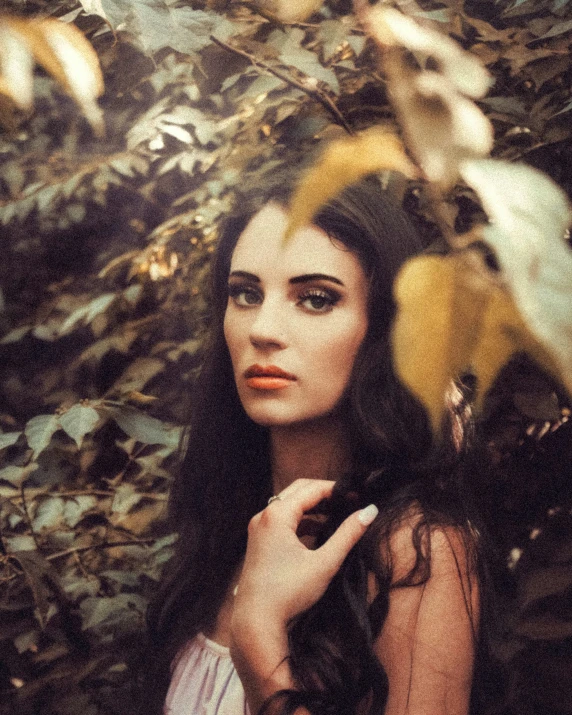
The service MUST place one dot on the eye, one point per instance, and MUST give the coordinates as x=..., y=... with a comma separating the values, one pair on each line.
x=244, y=295
x=318, y=301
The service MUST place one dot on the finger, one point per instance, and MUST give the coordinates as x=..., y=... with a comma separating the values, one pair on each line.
x=301, y=496
x=346, y=536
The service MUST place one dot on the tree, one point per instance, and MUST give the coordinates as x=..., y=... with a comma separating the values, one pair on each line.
x=106, y=244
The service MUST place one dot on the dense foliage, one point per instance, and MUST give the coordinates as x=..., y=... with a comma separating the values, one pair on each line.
x=106, y=244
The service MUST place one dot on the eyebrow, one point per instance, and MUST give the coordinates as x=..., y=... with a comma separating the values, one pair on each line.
x=305, y=278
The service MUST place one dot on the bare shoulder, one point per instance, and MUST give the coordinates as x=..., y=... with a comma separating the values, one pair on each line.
x=438, y=550
x=428, y=641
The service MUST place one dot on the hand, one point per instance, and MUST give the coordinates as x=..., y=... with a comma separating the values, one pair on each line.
x=281, y=577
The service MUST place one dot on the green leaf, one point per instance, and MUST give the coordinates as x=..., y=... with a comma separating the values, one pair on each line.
x=17, y=334
x=146, y=429
x=291, y=53
x=155, y=24
x=125, y=578
x=558, y=29
x=101, y=612
x=332, y=33
x=39, y=573
x=126, y=497
x=78, y=421
x=49, y=514
x=76, y=508
x=8, y=439
x=17, y=475
x=138, y=374
x=17, y=544
x=26, y=640
x=87, y=312
x=39, y=431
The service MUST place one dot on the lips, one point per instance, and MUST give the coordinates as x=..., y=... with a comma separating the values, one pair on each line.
x=270, y=377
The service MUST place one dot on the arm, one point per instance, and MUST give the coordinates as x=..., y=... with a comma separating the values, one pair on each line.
x=281, y=578
x=428, y=640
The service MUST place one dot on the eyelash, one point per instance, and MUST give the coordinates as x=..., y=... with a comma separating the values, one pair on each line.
x=329, y=298
x=235, y=290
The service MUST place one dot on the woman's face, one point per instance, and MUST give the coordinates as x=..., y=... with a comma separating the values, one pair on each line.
x=295, y=319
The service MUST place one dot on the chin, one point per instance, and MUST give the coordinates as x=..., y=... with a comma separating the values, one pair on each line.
x=286, y=418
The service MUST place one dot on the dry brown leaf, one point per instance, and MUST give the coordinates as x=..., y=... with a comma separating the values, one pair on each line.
x=344, y=162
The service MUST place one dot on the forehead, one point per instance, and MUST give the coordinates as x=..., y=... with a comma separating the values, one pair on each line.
x=261, y=249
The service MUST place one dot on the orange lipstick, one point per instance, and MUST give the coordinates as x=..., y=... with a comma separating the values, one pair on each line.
x=268, y=378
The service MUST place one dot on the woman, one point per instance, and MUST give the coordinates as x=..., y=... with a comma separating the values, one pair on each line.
x=371, y=603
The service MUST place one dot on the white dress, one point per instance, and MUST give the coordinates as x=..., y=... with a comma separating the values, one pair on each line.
x=205, y=682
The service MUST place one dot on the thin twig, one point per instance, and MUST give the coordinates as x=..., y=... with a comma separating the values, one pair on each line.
x=104, y=545
x=36, y=493
x=315, y=93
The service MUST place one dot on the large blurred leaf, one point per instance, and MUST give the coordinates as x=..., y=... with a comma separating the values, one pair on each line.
x=451, y=318
x=529, y=214
x=62, y=50
x=442, y=126
x=342, y=163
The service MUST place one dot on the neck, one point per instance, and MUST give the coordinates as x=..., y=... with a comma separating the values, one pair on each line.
x=312, y=450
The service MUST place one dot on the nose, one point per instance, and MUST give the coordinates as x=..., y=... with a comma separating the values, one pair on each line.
x=267, y=329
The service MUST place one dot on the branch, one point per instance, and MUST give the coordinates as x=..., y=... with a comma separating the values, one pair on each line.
x=104, y=545
x=316, y=94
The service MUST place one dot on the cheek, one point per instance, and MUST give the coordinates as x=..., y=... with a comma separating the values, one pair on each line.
x=335, y=357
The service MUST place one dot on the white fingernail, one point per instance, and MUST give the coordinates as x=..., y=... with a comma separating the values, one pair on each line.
x=367, y=515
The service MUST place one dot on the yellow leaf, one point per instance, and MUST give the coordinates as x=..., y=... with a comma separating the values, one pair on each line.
x=344, y=162
x=63, y=52
x=450, y=318
x=440, y=301
x=16, y=66
x=289, y=10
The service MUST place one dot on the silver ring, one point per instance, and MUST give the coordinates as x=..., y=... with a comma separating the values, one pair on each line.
x=274, y=498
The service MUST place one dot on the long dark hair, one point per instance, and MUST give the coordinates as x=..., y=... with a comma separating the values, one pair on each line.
x=225, y=479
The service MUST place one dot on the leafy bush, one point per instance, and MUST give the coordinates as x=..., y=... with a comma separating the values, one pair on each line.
x=106, y=245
